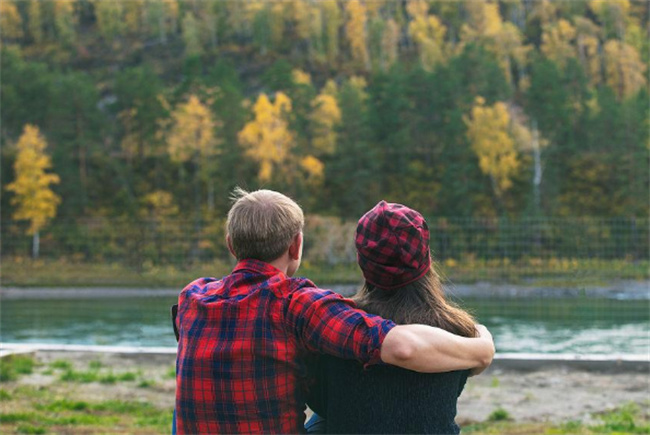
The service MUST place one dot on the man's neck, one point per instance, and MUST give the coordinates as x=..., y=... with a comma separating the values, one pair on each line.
x=281, y=263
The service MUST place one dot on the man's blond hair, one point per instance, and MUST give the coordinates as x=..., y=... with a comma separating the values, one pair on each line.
x=262, y=224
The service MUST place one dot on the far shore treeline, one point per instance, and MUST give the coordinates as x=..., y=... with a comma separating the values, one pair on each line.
x=510, y=109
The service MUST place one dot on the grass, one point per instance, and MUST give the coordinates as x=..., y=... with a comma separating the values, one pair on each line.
x=61, y=364
x=499, y=414
x=50, y=414
x=628, y=419
x=38, y=410
x=93, y=374
x=12, y=366
x=526, y=271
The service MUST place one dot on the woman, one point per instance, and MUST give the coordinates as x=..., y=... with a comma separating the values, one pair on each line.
x=392, y=243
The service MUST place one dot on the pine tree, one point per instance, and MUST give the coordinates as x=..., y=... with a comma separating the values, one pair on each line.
x=110, y=18
x=35, y=21
x=65, y=21
x=191, y=35
x=34, y=200
x=332, y=19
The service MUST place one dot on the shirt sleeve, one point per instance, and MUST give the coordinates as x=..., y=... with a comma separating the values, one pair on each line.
x=324, y=322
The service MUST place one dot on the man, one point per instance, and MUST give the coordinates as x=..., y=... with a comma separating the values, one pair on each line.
x=244, y=338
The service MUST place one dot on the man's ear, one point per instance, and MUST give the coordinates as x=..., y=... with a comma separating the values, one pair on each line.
x=296, y=247
x=229, y=243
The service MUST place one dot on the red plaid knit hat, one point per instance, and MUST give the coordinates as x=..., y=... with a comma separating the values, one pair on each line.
x=392, y=245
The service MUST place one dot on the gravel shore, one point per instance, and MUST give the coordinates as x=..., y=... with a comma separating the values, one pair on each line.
x=554, y=394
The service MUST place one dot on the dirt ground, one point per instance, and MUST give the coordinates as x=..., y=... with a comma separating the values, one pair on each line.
x=560, y=394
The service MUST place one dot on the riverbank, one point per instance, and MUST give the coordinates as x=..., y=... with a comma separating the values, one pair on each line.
x=100, y=392
x=525, y=272
x=618, y=289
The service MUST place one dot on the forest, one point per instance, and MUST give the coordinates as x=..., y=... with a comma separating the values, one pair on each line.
x=131, y=110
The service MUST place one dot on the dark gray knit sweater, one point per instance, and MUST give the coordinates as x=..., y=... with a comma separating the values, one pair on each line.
x=385, y=399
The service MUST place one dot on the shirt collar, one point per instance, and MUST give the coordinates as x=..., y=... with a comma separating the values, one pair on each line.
x=258, y=266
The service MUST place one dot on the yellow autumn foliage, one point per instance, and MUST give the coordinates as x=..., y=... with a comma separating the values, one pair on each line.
x=489, y=133
x=624, y=70
x=587, y=41
x=33, y=198
x=192, y=133
x=325, y=117
x=267, y=138
x=428, y=32
x=11, y=26
x=300, y=77
x=557, y=42
x=159, y=205
x=313, y=167
x=355, y=30
x=389, y=43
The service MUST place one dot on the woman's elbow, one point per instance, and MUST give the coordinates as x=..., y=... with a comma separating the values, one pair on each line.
x=397, y=348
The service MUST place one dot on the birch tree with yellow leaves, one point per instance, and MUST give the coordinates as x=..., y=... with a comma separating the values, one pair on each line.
x=192, y=139
x=11, y=24
x=269, y=142
x=325, y=118
x=557, y=42
x=355, y=30
x=33, y=198
x=624, y=70
x=489, y=133
x=267, y=138
x=428, y=32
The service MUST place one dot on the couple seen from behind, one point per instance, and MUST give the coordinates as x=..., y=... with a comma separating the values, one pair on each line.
x=258, y=345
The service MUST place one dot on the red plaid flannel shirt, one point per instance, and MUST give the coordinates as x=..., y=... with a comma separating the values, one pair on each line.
x=243, y=344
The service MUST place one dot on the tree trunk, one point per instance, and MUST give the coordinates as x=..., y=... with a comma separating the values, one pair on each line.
x=35, y=245
x=194, y=253
x=538, y=172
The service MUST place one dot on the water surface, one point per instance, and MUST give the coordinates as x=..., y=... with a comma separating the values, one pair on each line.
x=532, y=325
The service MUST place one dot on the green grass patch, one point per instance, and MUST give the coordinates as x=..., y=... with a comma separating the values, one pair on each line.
x=66, y=405
x=171, y=373
x=624, y=420
x=15, y=417
x=628, y=419
x=499, y=414
x=83, y=377
x=12, y=366
x=96, y=375
x=4, y=395
x=146, y=383
x=61, y=364
x=29, y=429
x=95, y=365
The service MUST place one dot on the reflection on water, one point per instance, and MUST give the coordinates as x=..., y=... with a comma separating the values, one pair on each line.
x=543, y=325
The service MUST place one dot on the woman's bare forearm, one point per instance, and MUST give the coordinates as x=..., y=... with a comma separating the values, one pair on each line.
x=427, y=349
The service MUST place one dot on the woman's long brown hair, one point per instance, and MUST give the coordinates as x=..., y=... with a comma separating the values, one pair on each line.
x=422, y=301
